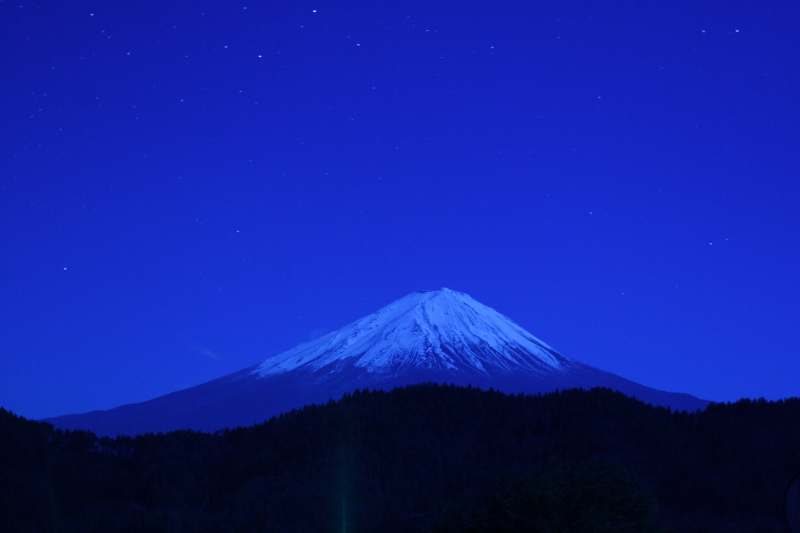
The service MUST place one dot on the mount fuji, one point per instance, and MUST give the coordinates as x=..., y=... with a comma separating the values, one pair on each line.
x=440, y=336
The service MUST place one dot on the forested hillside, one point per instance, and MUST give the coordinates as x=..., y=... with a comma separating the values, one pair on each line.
x=420, y=458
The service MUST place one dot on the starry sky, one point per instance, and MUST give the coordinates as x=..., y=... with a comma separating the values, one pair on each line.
x=188, y=188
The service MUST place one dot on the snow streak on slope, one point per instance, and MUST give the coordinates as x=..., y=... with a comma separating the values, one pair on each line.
x=444, y=330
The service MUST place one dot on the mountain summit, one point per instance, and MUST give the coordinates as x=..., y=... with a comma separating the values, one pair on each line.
x=432, y=330
x=441, y=336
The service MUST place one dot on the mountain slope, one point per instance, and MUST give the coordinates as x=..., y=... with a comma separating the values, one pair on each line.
x=439, y=336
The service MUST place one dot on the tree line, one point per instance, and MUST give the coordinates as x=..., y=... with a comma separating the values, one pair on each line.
x=428, y=458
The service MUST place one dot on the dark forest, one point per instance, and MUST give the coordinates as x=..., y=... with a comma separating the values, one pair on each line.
x=425, y=458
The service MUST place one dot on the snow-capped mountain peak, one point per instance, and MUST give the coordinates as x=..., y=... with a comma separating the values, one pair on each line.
x=441, y=329
x=439, y=336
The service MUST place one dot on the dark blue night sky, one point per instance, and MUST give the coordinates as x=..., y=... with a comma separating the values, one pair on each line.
x=188, y=188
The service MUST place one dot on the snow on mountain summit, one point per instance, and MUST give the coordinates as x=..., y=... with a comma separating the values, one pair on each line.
x=441, y=329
